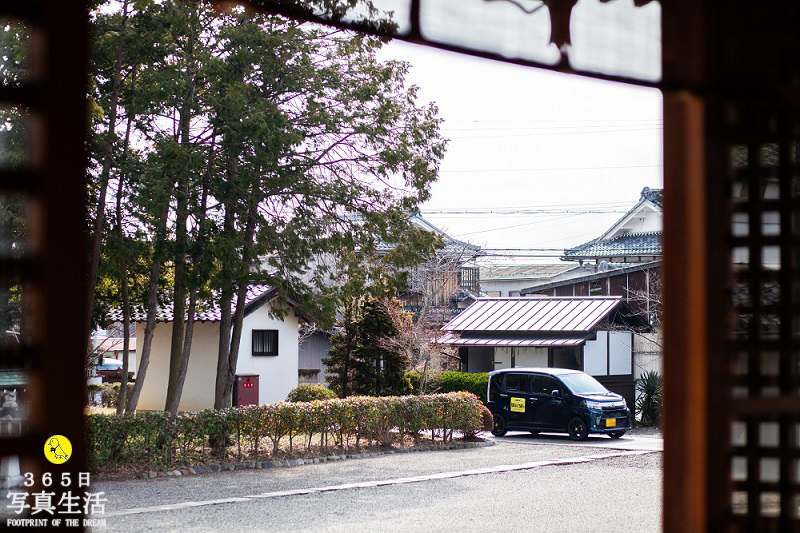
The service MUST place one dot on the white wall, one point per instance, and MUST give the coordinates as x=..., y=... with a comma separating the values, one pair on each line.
x=610, y=354
x=198, y=389
x=620, y=348
x=595, y=357
x=524, y=356
x=647, y=354
x=277, y=374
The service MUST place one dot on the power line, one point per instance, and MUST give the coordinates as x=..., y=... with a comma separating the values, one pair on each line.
x=552, y=133
x=542, y=211
x=493, y=170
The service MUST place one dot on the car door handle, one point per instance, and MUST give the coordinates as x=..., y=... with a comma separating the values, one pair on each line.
x=534, y=399
x=504, y=395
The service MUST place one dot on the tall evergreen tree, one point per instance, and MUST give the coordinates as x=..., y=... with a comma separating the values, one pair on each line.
x=273, y=151
x=378, y=371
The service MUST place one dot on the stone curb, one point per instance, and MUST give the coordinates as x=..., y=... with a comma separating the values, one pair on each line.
x=281, y=463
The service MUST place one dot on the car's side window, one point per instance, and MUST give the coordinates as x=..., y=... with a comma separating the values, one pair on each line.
x=538, y=384
x=543, y=385
x=517, y=383
x=552, y=385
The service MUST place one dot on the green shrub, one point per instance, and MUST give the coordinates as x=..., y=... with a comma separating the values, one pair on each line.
x=109, y=393
x=464, y=381
x=309, y=393
x=488, y=418
x=649, y=388
x=160, y=440
x=453, y=381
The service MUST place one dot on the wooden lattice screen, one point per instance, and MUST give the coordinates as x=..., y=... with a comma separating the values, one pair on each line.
x=731, y=79
x=45, y=272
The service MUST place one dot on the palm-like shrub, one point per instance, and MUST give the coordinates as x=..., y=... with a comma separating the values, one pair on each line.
x=649, y=389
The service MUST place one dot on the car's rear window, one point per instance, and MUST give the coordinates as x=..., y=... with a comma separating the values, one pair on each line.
x=580, y=383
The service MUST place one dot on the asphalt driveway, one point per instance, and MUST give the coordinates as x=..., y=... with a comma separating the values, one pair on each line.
x=544, y=483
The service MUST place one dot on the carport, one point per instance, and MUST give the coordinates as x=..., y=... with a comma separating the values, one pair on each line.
x=593, y=334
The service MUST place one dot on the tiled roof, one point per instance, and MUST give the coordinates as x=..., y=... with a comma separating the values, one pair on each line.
x=449, y=242
x=629, y=244
x=653, y=195
x=256, y=296
x=523, y=271
x=534, y=315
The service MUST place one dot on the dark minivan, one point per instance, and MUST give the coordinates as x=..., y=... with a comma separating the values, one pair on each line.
x=555, y=400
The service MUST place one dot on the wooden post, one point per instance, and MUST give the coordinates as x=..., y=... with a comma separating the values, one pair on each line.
x=685, y=315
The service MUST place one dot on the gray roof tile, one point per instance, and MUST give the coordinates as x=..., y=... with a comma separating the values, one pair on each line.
x=209, y=313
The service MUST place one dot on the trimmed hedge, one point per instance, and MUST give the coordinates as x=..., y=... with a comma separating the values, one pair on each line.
x=452, y=381
x=309, y=393
x=160, y=440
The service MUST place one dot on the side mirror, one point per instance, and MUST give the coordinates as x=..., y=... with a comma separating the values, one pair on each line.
x=556, y=392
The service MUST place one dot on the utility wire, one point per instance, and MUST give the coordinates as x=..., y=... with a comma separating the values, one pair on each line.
x=494, y=170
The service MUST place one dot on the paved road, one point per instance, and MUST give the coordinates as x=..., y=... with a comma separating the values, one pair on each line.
x=545, y=483
x=628, y=442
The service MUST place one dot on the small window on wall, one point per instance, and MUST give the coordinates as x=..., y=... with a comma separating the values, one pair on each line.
x=265, y=342
x=493, y=294
x=595, y=288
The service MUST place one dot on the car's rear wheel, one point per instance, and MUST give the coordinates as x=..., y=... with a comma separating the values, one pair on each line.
x=499, y=428
x=577, y=429
x=616, y=434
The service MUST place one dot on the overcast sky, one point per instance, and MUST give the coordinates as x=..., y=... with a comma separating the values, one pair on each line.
x=522, y=137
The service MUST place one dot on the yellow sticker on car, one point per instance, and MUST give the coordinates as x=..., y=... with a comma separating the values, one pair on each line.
x=518, y=405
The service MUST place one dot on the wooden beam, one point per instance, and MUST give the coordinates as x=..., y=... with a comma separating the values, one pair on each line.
x=685, y=315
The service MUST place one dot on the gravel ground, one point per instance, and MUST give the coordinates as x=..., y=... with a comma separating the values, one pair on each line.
x=654, y=432
x=616, y=494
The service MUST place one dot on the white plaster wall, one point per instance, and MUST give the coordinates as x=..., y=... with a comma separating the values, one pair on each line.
x=277, y=374
x=198, y=389
x=595, y=359
x=502, y=358
x=647, y=354
x=531, y=356
x=620, y=347
x=524, y=356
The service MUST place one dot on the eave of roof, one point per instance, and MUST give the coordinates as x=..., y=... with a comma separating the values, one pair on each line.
x=456, y=340
x=640, y=244
x=548, y=314
x=591, y=276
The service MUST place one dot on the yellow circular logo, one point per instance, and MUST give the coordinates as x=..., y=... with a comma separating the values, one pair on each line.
x=58, y=449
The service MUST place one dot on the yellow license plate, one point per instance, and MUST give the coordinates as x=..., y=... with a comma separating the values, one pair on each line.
x=611, y=423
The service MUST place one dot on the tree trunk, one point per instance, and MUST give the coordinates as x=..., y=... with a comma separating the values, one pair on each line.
x=152, y=308
x=226, y=298
x=179, y=318
x=99, y=221
x=177, y=350
x=238, y=315
x=123, y=279
x=174, y=400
